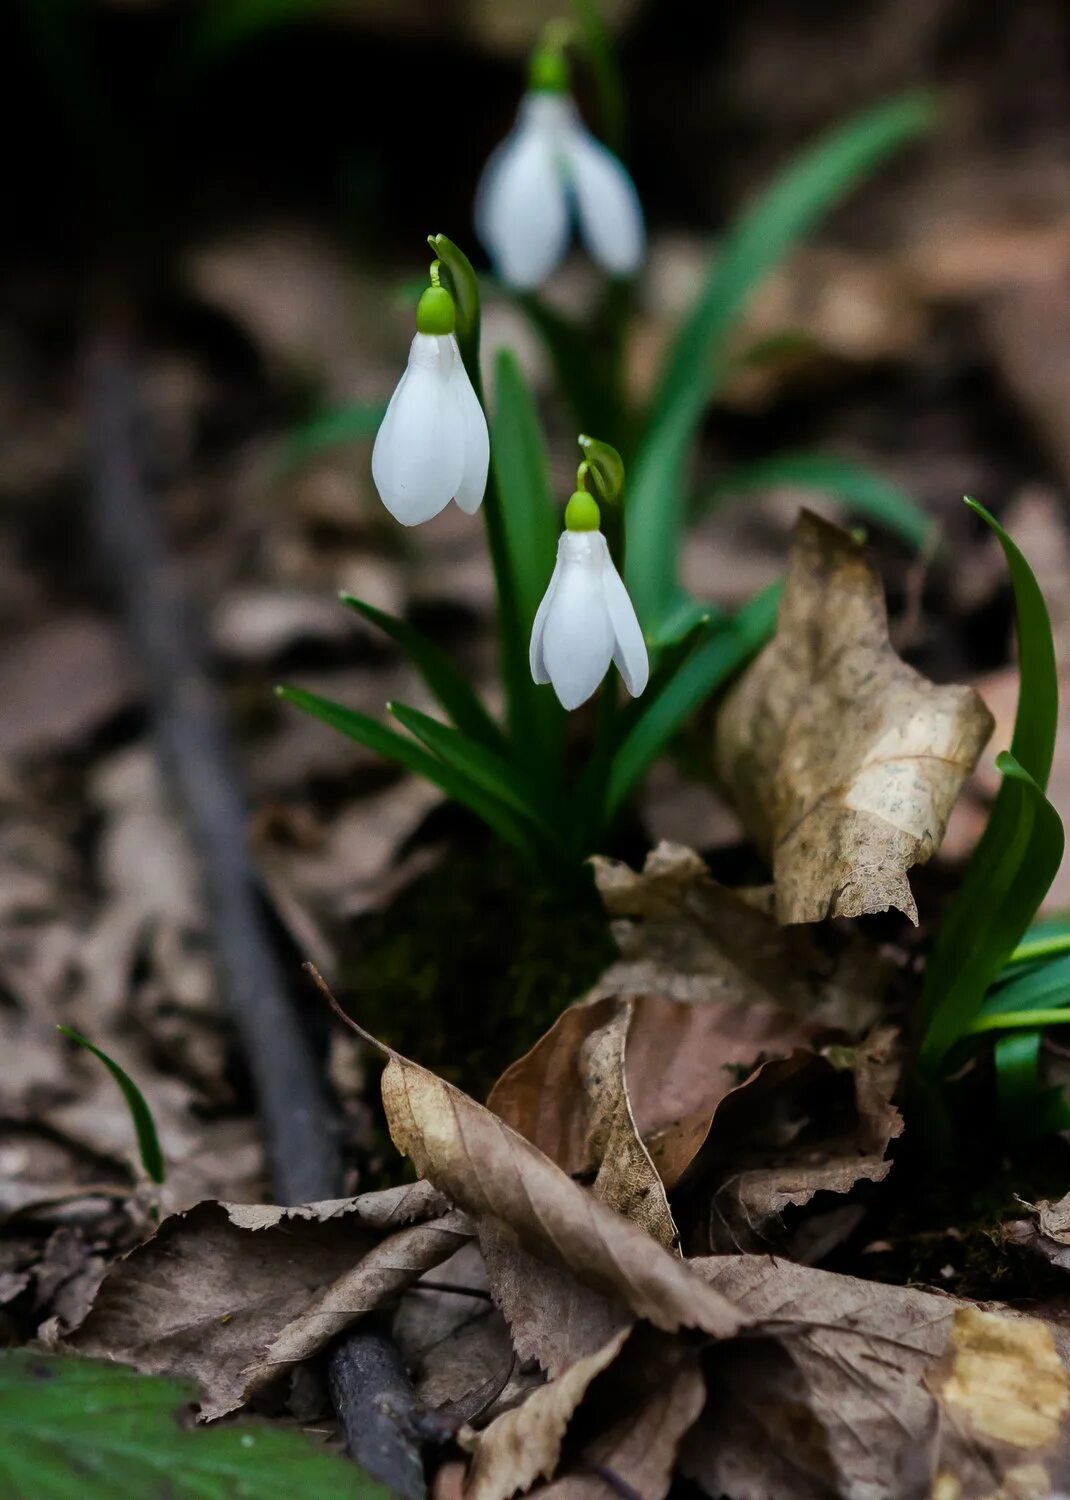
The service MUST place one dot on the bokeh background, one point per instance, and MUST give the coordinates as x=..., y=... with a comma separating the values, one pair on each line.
x=245, y=191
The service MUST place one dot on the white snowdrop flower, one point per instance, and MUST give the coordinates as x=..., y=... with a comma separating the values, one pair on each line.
x=432, y=446
x=549, y=170
x=586, y=619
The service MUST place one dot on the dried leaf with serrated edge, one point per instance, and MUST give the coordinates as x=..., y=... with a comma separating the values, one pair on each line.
x=494, y=1174
x=873, y=1392
x=232, y=1307
x=843, y=762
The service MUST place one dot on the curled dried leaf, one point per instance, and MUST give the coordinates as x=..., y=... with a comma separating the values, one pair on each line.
x=843, y=762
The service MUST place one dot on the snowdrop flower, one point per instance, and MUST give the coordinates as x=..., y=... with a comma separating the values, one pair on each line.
x=548, y=170
x=586, y=619
x=432, y=446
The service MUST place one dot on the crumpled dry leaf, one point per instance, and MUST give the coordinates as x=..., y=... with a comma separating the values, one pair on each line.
x=524, y=1444
x=500, y=1178
x=232, y=1296
x=843, y=762
x=1046, y=1233
x=569, y=1096
x=683, y=936
x=814, y=1122
x=875, y=1392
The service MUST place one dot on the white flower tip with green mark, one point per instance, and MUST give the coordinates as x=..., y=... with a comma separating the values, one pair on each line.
x=584, y=622
x=547, y=170
x=432, y=446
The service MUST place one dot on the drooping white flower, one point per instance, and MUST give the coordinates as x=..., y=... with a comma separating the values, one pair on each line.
x=432, y=445
x=586, y=619
x=549, y=170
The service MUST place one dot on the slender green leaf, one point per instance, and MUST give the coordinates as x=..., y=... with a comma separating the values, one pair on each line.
x=523, y=546
x=1034, y=738
x=1019, y=1020
x=806, y=190
x=80, y=1429
x=602, y=56
x=406, y=752
x=1043, y=940
x=1027, y=1109
x=994, y=906
x=684, y=617
x=1036, y=720
x=448, y=684
x=148, y=1142
x=1034, y=987
x=857, y=487
x=484, y=767
x=727, y=650
x=329, y=430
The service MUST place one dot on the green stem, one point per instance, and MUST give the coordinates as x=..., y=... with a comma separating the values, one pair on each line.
x=1033, y=948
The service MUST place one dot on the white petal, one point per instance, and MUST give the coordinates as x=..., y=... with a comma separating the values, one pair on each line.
x=607, y=205
x=629, y=653
x=418, y=458
x=577, y=638
x=521, y=209
x=536, y=658
x=476, y=440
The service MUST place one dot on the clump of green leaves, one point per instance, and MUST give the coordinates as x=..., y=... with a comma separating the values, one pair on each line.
x=517, y=775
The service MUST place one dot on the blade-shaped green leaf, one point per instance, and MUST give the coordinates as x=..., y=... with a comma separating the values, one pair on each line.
x=994, y=906
x=80, y=1429
x=484, y=767
x=406, y=752
x=1037, y=986
x=857, y=487
x=1037, y=716
x=148, y=1142
x=1034, y=738
x=1044, y=939
x=728, y=649
x=807, y=189
x=523, y=532
x=329, y=430
x=449, y=686
x=1027, y=1109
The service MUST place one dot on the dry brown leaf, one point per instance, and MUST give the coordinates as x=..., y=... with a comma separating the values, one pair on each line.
x=843, y=762
x=495, y=1175
x=232, y=1307
x=684, y=937
x=874, y=1392
x=639, y=1411
x=1046, y=1233
x=569, y=1096
x=554, y=1318
x=524, y=1444
x=814, y=1122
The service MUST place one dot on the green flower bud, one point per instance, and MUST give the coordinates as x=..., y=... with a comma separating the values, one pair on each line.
x=435, y=312
x=582, y=513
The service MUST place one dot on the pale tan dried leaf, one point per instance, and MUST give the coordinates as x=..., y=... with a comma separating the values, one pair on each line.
x=390, y=1208
x=554, y=1318
x=232, y=1308
x=524, y=1444
x=495, y=1175
x=569, y=1096
x=684, y=937
x=843, y=761
x=872, y=1392
x=1046, y=1233
x=639, y=1411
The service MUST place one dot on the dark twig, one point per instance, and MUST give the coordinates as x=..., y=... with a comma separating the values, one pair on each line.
x=373, y=1394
